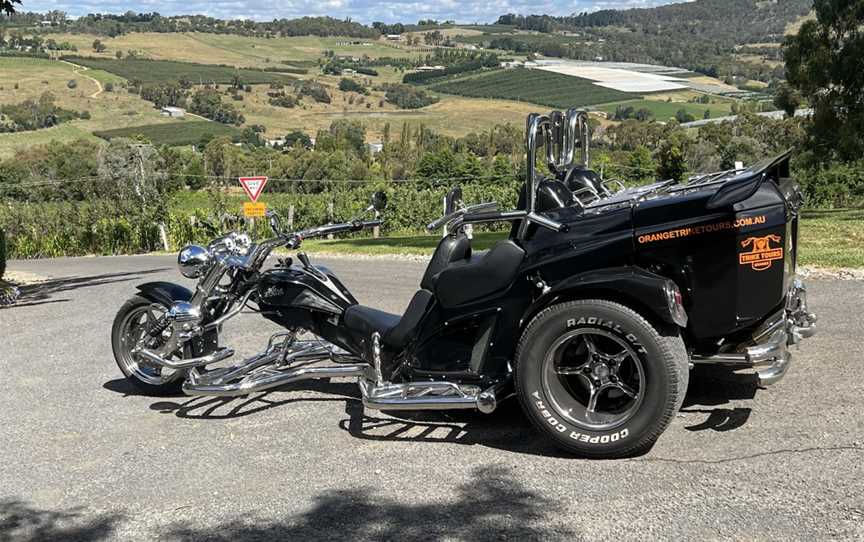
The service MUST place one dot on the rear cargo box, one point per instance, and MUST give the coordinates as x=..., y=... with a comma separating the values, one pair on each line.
x=730, y=246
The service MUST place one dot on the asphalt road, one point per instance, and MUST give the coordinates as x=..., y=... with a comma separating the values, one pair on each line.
x=82, y=456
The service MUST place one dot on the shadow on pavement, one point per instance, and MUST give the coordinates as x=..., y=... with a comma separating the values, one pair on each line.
x=720, y=419
x=507, y=428
x=37, y=294
x=717, y=386
x=491, y=505
x=23, y=522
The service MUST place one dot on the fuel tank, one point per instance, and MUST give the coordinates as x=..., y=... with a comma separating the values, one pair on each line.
x=314, y=288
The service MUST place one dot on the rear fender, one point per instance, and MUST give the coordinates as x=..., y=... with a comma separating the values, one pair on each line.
x=641, y=290
x=164, y=293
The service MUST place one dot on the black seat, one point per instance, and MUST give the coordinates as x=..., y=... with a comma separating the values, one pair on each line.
x=580, y=178
x=456, y=278
x=465, y=281
x=553, y=194
x=395, y=330
x=453, y=248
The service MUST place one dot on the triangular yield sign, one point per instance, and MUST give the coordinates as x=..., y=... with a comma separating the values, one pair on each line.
x=253, y=186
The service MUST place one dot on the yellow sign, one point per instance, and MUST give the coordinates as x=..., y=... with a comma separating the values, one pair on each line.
x=254, y=210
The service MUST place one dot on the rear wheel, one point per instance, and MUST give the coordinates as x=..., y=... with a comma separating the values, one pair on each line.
x=131, y=326
x=599, y=379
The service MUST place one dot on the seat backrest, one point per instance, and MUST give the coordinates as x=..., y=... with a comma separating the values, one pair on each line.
x=451, y=248
x=553, y=194
x=461, y=283
x=580, y=177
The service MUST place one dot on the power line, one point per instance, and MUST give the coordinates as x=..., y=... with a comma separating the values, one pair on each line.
x=53, y=182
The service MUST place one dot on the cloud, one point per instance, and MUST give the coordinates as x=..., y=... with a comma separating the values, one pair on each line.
x=365, y=11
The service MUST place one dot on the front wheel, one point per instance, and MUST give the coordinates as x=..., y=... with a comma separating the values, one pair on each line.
x=132, y=326
x=599, y=379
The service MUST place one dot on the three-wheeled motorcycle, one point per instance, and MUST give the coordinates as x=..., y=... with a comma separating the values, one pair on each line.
x=592, y=310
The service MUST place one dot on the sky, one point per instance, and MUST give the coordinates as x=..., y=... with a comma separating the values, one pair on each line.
x=364, y=11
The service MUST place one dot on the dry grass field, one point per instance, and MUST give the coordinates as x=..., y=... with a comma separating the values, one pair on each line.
x=33, y=77
x=453, y=115
x=234, y=50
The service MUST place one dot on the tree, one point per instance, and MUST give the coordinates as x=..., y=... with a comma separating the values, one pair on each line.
x=8, y=6
x=683, y=116
x=671, y=162
x=787, y=99
x=99, y=47
x=119, y=54
x=824, y=62
x=642, y=166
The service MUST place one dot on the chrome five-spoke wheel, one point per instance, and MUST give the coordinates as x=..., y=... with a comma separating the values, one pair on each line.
x=134, y=333
x=594, y=378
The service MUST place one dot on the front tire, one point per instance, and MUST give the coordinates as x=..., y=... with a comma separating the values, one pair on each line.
x=599, y=379
x=130, y=326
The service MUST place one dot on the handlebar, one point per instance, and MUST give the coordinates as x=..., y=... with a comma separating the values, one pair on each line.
x=293, y=240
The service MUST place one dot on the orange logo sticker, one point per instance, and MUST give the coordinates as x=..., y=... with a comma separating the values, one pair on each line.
x=761, y=256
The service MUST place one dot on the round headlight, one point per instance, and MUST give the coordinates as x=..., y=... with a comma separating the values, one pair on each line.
x=193, y=261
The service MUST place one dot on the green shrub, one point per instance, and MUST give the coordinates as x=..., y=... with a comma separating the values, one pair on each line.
x=834, y=186
x=54, y=229
x=349, y=85
x=407, y=97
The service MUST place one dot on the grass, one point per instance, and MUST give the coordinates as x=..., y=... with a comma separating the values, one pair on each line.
x=832, y=238
x=162, y=71
x=242, y=51
x=535, y=86
x=452, y=116
x=665, y=110
x=108, y=110
x=181, y=132
x=828, y=238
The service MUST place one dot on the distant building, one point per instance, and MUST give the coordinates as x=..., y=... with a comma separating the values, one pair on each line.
x=46, y=23
x=393, y=37
x=429, y=68
x=278, y=142
x=375, y=148
x=173, y=112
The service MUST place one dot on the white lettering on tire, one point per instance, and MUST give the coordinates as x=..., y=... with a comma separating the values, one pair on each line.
x=575, y=435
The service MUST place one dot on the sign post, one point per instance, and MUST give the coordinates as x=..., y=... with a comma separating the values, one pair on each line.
x=253, y=187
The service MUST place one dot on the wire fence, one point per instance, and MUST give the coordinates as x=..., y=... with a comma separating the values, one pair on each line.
x=604, y=167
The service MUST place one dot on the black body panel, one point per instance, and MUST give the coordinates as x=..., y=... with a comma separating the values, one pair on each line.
x=709, y=255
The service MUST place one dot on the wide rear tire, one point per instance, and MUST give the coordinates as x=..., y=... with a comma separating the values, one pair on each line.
x=599, y=379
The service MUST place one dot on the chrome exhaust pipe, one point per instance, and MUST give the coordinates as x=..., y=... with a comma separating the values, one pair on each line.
x=153, y=357
x=428, y=396
x=267, y=379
